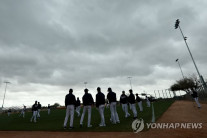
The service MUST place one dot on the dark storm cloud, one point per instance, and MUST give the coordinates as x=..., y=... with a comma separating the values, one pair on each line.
x=64, y=43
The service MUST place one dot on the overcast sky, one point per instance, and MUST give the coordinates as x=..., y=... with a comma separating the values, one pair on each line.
x=47, y=47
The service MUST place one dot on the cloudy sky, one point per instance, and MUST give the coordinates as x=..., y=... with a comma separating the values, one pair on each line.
x=47, y=47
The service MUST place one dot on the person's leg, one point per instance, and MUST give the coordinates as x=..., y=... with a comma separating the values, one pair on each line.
x=89, y=116
x=32, y=116
x=116, y=114
x=112, y=113
x=78, y=110
x=83, y=114
x=140, y=106
x=134, y=110
x=101, y=111
x=103, y=118
x=197, y=102
x=122, y=105
x=71, y=115
x=23, y=114
x=124, y=109
x=66, y=116
x=35, y=116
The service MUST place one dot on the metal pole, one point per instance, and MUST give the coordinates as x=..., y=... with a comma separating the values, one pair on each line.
x=85, y=84
x=177, y=60
x=185, y=38
x=130, y=81
x=4, y=94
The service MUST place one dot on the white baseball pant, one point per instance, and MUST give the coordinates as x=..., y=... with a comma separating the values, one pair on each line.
x=34, y=116
x=134, y=110
x=101, y=111
x=38, y=113
x=148, y=103
x=197, y=102
x=125, y=109
x=78, y=110
x=114, y=115
x=88, y=107
x=140, y=106
x=69, y=111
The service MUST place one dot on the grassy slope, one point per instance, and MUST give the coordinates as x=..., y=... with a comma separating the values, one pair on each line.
x=54, y=121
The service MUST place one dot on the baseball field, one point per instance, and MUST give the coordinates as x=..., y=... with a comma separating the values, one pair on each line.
x=54, y=121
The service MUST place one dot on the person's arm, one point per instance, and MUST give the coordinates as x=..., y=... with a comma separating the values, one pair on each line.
x=97, y=101
x=66, y=101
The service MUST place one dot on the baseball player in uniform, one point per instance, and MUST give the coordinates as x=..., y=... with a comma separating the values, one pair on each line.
x=100, y=104
x=39, y=106
x=131, y=100
x=23, y=111
x=34, y=112
x=111, y=96
x=195, y=97
x=124, y=102
x=48, y=109
x=87, y=105
x=9, y=112
x=139, y=101
x=78, y=107
x=148, y=101
x=70, y=102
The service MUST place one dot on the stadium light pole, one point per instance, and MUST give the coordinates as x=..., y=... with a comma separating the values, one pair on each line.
x=177, y=25
x=177, y=60
x=85, y=84
x=130, y=82
x=6, y=82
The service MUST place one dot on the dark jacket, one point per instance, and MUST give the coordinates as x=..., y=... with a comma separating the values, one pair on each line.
x=194, y=95
x=34, y=107
x=138, y=99
x=87, y=99
x=70, y=99
x=111, y=96
x=123, y=99
x=131, y=99
x=77, y=103
x=100, y=99
x=39, y=106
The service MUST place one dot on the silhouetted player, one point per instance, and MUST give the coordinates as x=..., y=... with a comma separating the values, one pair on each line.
x=139, y=101
x=111, y=96
x=78, y=107
x=87, y=103
x=34, y=110
x=100, y=104
x=124, y=103
x=131, y=100
x=70, y=102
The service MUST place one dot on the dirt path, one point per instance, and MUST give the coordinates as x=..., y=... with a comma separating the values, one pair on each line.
x=180, y=111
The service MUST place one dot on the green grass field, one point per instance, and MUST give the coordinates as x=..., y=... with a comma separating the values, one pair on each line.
x=54, y=121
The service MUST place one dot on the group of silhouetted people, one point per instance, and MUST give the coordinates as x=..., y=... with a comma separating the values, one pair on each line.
x=72, y=105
